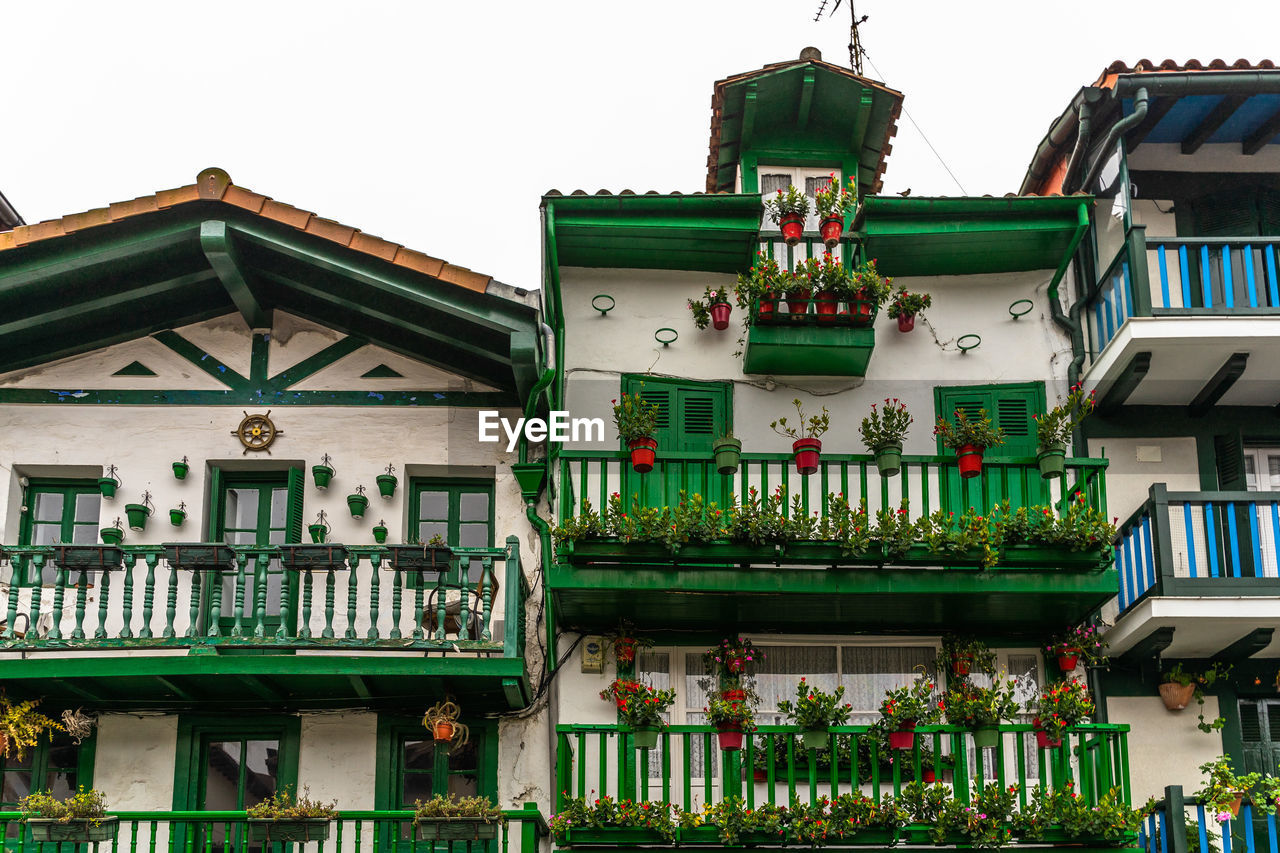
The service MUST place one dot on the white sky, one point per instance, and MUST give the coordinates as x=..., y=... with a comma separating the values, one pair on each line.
x=440, y=124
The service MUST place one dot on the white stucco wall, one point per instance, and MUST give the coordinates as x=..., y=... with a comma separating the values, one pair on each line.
x=1165, y=747
x=134, y=760
x=344, y=743
x=1136, y=463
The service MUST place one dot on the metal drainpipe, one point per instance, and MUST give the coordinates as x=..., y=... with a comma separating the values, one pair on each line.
x=1083, y=132
x=540, y=524
x=1117, y=130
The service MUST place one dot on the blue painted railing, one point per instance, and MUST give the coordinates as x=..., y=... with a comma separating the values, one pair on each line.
x=1113, y=303
x=1200, y=543
x=1182, y=826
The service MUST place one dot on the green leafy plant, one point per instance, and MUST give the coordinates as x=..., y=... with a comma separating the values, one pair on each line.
x=967, y=704
x=811, y=427
x=21, y=726
x=732, y=658
x=283, y=805
x=634, y=417
x=639, y=705
x=86, y=804
x=1265, y=795
x=730, y=713
x=912, y=704
x=1110, y=819
x=1062, y=705
x=905, y=303
x=579, y=813
x=977, y=432
x=1054, y=428
x=701, y=308
x=441, y=807
x=842, y=819
x=834, y=200
x=867, y=285
x=1084, y=641
x=761, y=281
x=886, y=428
x=971, y=650
x=1222, y=785
x=1211, y=676
x=787, y=203
x=815, y=709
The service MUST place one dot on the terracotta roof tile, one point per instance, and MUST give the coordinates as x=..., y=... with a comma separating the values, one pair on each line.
x=7, y=239
x=330, y=230
x=88, y=219
x=124, y=209
x=168, y=198
x=286, y=213
x=418, y=261
x=241, y=197
x=464, y=277
x=1146, y=66
x=375, y=246
x=45, y=230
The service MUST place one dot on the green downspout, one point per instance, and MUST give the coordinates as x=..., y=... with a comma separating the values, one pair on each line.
x=539, y=523
x=1071, y=325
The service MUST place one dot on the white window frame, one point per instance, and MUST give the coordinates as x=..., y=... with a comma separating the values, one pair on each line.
x=1259, y=457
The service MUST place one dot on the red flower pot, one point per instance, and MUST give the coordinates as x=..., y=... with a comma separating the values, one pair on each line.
x=759, y=775
x=969, y=457
x=903, y=738
x=1068, y=660
x=830, y=229
x=730, y=736
x=792, y=226
x=643, y=452
x=443, y=731
x=767, y=303
x=799, y=302
x=961, y=665
x=720, y=316
x=928, y=777
x=1043, y=739
x=906, y=322
x=825, y=302
x=807, y=451
x=860, y=313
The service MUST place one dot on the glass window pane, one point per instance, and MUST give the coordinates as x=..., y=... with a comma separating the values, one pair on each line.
x=87, y=508
x=419, y=754
x=870, y=671
x=84, y=534
x=417, y=786
x=780, y=670
x=433, y=505
x=463, y=757
x=463, y=784
x=279, y=507
x=1250, y=472
x=61, y=783
x=46, y=534
x=17, y=784
x=261, y=760
x=222, y=777
x=427, y=529
x=473, y=507
x=48, y=506
x=771, y=183
x=473, y=536
x=241, y=508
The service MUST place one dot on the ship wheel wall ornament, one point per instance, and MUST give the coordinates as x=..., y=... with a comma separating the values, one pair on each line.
x=257, y=432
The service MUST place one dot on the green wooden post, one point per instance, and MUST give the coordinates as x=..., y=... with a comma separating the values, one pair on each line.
x=1136, y=245
x=1162, y=544
x=731, y=765
x=59, y=591
x=564, y=770
x=1175, y=818
x=149, y=595
x=529, y=830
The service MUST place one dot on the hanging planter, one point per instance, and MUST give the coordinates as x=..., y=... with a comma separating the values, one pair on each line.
x=636, y=420
x=816, y=739
x=107, y=485
x=180, y=469
x=804, y=437
x=807, y=453
x=1176, y=696
x=323, y=472
x=441, y=720
x=1044, y=740
x=969, y=460
x=729, y=736
x=645, y=737
x=1052, y=461
x=905, y=306
x=387, y=482
x=319, y=529
x=643, y=454
x=833, y=203
x=904, y=737
x=720, y=312
x=788, y=210
x=986, y=737
x=728, y=453
x=831, y=228
x=380, y=532
x=906, y=322
x=1055, y=428
x=179, y=515
x=357, y=503
x=792, y=227
x=889, y=459
x=139, y=513
x=961, y=665
x=1068, y=659
x=883, y=433
x=112, y=535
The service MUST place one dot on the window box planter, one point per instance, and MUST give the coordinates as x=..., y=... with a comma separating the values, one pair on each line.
x=304, y=557
x=623, y=836
x=805, y=349
x=84, y=829
x=96, y=557
x=307, y=829
x=615, y=551
x=710, y=834
x=419, y=558
x=455, y=829
x=199, y=556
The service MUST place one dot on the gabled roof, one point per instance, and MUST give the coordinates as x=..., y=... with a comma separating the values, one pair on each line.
x=180, y=256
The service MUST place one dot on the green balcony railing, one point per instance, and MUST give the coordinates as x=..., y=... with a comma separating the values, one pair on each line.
x=359, y=599
x=229, y=832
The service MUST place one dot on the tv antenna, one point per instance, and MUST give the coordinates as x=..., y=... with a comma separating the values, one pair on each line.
x=855, y=40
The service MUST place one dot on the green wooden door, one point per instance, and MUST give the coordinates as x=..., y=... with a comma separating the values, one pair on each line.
x=690, y=418
x=414, y=769
x=1012, y=407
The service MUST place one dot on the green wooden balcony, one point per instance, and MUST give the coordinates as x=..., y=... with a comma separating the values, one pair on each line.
x=688, y=770
x=812, y=585
x=353, y=831
x=308, y=630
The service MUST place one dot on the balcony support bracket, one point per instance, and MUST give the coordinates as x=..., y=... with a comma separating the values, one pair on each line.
x=1116, y=392
x=1149, y=648
x=1247, y=646
x=1220, y=384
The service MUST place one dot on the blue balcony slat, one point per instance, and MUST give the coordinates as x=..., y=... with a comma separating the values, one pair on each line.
x=1164, y=832
x=1127, y=285
x=1164, y=276
x=1184, y=269
x=1126, y=584
x=1211, y=540
x=1275, y=531
x=1273, y=281
x=1132, y=565
x=1226, y=835
x=1253, y=535
x=1246, y=817
x=1249, y=279
x=1271, y=833
x=1235, y=539
x=1191, y=539
x=1149, y=558
x=1228, y=284
x=1109, y=313
x=1206, y=285
x=1204, y=836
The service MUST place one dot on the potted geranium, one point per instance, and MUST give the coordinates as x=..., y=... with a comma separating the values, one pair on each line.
x=883, y=433
x=965, y=654
x=81, y=817
x=713, y=308
x=283, y=817
x=804, y=437
x=625, y=643
x=757, y=290
x=1179, y=686
x=905, y=306
x=731, y=718
x=1058, y=707
x=969, y=439
x=833, y=203
x=866, y=291
x=641, y=708
x=1223, y=790
x=980, y=709
x=815, y=711
x=636, y=420
x=788, y=210
x=1054, y=429
x=1083, y=642
x=904, y=708
x=728, y=452
x=452, y=818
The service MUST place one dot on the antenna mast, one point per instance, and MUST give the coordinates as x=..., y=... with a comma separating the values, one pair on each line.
x=855, y=40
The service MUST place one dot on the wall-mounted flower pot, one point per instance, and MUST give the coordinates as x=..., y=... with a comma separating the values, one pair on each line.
x=1176, y=696
x=380, y=533
x=645, y=737
x=177, y=517
x=986, y=737
x=830, y=228
x=720, y=312
x=904, y=737
x=180, y=470
x=357, y=503
x=111, y=535
x=387, y=484
x=1068, y=659
x=889, y=459
x=138, y=515
x=807, y=452
x=728, y=453
x=1052, y=461
x=906, y=322
x=643, y=454
x=107, y=486
x=969, y=459
x=792, y=227
x=815, y=739
x=318, y=532
x=730, y=736
x=322, y=474
x=81, y=829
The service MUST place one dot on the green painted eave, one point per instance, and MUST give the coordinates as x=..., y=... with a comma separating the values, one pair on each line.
x=702, y=233
x=967, y=236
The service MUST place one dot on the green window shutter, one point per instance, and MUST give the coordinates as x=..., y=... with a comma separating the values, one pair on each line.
x=297, y=481
x=1011, y=408
x=1228, y=457
x=1232, y=214
x=700, y=418
x=1269, y=212
x=660, y=397
x=215, y=505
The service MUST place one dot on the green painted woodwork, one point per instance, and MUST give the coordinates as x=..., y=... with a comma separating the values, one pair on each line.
x=57, y=511
x=423, y=770
x=945, y=236
x=196, y=733
x=54, y=761
x=691, y=415
x=459, y=510
x=382, y=371
x=251, y=397
x=808, y=350
x=1011, y=406
x=706, y=233
x=225, y=260
x=135, y=368
x=257, y=509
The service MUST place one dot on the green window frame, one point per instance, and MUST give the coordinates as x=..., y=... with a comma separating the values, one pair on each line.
x=1012, y=406
x=196, y=733
x=56, y=764
x=458, y=509
x=58, y=511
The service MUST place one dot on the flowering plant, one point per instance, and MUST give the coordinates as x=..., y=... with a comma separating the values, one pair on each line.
x=908, y=304
x=1062, y=705
x=734, y=714
x=867, y=285
x=816, y=709
x=639, y=705
x=701, y=308
x=86, y=804
x=967, y=704
x=911, y=705
x=968, y=649
x=977, y=432
x=634, y=417
x=788, y=203
x=284, y=805
x=887, y=428
x=834, y=200
x=1082, y=640
x=826, y=274
x=761, y=280
x=732, y=658
x=577, y=813
x=1054, y=428
x=807, y=428
x=1222, y=786
x=1215, y=673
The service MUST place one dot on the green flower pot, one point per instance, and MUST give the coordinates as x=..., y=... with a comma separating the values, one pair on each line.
x=1052, y=461
x=889, y=460
x=728, y=453
x=357, y=504
x=318, y=533
x=107, y=486
x=111, y=535
x=645, y=737
x=177, y=516
x=387, y=484
x=379, y=533
x=180, y=470
x=985, y=737
x=138, y=515
x=322, y=474
x=815, y=739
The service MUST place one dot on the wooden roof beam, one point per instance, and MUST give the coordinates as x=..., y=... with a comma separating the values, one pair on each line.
x=1210, y=123
x=1265, y=132
x=748, y=117
x=215, y=241
x=806, y=98
x=1157, y=110
x=1116, y=392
